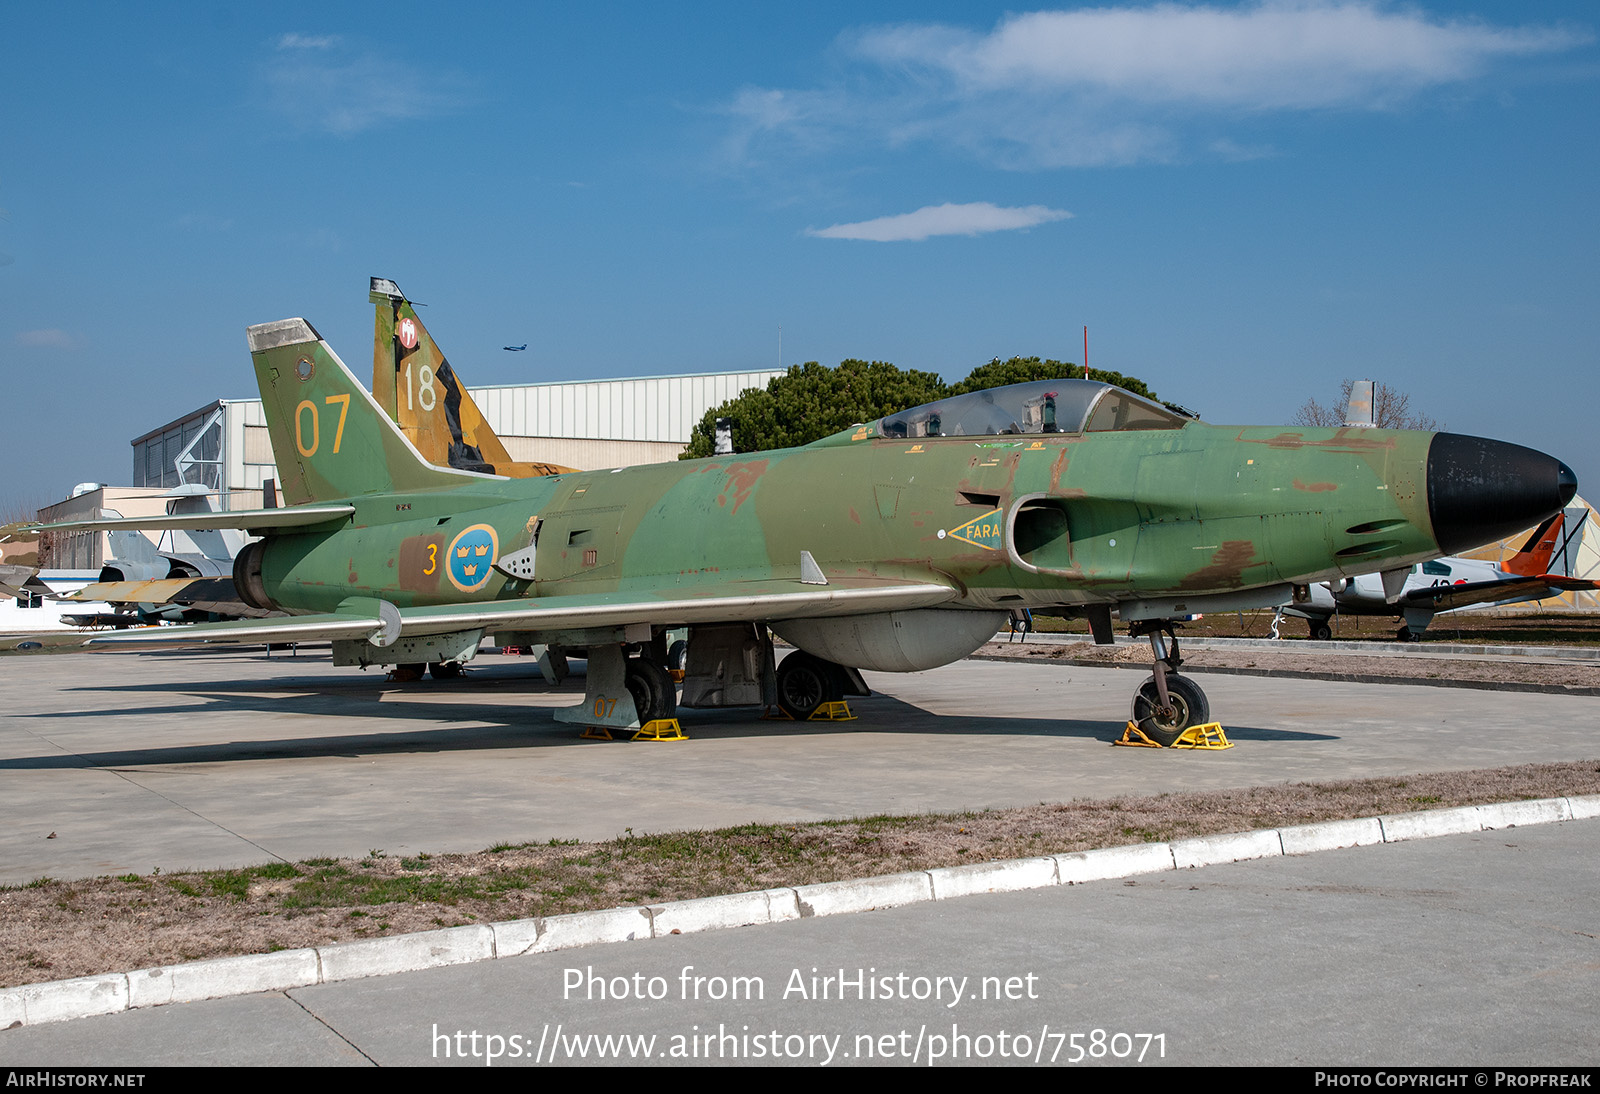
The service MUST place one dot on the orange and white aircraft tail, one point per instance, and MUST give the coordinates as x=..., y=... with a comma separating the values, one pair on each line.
x=1552, y=547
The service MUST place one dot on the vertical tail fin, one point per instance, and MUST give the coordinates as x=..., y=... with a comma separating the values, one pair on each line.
x=1564, y=560
x=1534, y=558
x=329, y=436
x=423, y=394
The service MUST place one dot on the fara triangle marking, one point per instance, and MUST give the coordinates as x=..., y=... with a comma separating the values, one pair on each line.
x=981, y=531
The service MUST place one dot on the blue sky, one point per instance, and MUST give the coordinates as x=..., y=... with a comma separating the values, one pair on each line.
x=1245, y=203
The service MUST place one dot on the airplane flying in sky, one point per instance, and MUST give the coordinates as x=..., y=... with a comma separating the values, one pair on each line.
x=516, y=349
x=897, y=545
x=1543, y=568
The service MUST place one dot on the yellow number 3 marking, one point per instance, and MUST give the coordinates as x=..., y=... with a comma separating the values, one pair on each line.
x=433, y=558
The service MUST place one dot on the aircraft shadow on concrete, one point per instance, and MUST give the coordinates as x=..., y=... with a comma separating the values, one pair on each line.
x=419, y=708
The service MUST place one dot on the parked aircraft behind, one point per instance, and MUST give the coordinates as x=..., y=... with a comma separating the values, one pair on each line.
x=19, y=558
x=1543, y=568
x=896, y=545
x=419, y=390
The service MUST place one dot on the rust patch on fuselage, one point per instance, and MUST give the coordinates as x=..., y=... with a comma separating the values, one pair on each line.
x=742, y=478
x=1058, y=467
x=1315, y=487
x=1226, y=569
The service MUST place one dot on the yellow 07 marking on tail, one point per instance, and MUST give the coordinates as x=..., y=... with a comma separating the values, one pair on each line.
x=299, y=431
x=309, y=450
x=344, y=408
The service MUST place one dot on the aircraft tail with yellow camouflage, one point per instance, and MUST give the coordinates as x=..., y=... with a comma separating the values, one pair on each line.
x=419, y=390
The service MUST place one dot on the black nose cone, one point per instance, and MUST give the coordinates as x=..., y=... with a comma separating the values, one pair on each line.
x=1480, y=490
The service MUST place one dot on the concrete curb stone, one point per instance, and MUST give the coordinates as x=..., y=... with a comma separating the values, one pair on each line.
x=222, y=976
x=993, y=877
x=864, y=894
x=1208, y=850
x=1302, y=839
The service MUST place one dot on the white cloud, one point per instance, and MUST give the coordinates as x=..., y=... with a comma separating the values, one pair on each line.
x=1119, y=85
x=973, y=218
x=343, y=94
x=308, y=41
x=1264, y=56
x=49, y=338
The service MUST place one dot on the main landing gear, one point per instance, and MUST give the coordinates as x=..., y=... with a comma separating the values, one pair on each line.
x=654, y=694
x=1166, y=704
x=806, y=682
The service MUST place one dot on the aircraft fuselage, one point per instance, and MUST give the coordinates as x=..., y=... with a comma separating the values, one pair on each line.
x=1029, y=521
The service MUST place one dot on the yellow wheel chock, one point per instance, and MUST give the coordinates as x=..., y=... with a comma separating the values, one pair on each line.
x=661, y=729
x=836, y=711
x=1208, y=736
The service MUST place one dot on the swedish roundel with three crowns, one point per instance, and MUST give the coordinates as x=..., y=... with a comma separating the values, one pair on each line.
x=471, y=557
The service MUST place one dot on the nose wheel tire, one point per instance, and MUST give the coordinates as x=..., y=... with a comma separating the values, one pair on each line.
x=1189, y=708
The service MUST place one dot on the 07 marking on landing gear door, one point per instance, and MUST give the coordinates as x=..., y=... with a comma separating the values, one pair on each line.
x=981, y=531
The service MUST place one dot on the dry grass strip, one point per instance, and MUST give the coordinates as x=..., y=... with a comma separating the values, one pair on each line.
x=52, y=930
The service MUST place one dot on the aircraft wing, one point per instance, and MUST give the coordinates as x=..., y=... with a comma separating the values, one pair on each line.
x=381, y=622
x=289, y=516
x=13, y=578
x=206, y=594
x=1446, y=597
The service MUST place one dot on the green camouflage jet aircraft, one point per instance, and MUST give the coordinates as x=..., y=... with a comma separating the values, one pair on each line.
x=898, y=545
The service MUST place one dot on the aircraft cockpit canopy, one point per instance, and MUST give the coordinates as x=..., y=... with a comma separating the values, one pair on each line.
x=1043, y=406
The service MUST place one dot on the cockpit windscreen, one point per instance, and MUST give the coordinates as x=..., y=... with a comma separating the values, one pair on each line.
x=1043, y=406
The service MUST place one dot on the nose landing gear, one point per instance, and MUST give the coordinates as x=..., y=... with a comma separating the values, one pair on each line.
x=1166, y=704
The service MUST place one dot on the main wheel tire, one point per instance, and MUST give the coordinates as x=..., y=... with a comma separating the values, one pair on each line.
x=1321, y=631
x=1189, y=708
x=806, y=682
x=445, y=670
x=1406, y=634
x=677, y=654
x=654, y=695
x=666, y=688
x=644, y=688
